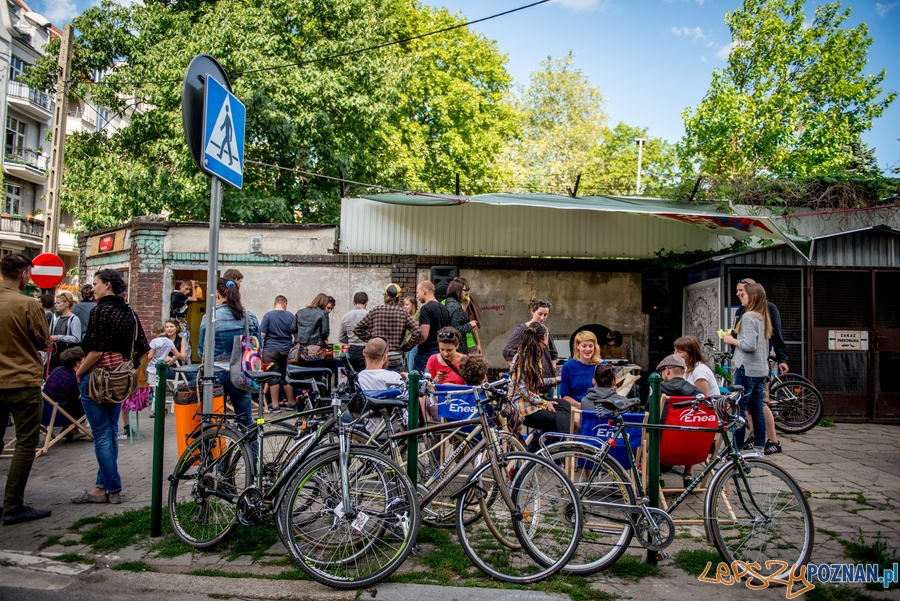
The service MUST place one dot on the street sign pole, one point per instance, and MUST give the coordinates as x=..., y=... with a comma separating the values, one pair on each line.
x=212, y=276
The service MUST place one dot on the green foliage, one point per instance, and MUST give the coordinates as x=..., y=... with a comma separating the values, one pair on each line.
x=633, y=568
x=133, y=566
x=876, y=552
x=827, y=423
x=829, y=592
x=679, y=260
x=793, y=99
x=411, y=114
x=618, y=156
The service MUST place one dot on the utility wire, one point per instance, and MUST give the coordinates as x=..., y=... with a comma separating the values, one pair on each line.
x=340, y=55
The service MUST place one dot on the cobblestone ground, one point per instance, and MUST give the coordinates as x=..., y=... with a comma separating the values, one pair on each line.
x=851, y=473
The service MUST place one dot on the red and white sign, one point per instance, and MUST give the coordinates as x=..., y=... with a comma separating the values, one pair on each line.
x=48, y=270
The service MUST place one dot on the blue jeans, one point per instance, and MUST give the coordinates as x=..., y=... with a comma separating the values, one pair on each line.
x=104, y=421
x=752, y=400
x=422, y=360
x=241, y=400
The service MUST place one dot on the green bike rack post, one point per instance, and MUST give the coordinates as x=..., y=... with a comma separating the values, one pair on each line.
x=412, y=444
x=159, y=440
x=652, y=466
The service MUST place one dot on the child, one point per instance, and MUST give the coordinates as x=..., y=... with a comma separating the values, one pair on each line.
x=161, y=346
x=474, y=369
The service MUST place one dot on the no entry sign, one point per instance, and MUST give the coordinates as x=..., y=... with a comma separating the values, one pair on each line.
x=48, y=270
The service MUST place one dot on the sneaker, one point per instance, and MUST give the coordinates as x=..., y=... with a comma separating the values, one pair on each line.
x=772, y=448
x=276, y=409
x=748, y=446
x=123, y=436
x=25, y=514
x=114, y=498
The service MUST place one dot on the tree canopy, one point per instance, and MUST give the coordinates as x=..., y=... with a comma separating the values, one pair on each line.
x=792, y=100
x=407, y=115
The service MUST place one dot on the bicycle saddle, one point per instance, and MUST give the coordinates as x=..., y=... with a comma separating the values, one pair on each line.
x=264, y=377
x=619, y=404
x=376, y=403
x=391, y=393
x=297, y=372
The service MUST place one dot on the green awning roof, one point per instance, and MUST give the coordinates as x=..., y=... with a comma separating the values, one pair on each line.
x=702, y=215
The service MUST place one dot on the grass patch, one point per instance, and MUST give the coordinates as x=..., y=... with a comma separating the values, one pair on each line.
x=250, y=541
x=633, y=568
x=51, y=540
x=694, y=562
x=295, y=574
x=73, y=558
x=860, y=498
x=828, y=592
x=112, y=533
x=218, y=596
x=134, y=566
x=169, y=546
x=826, y=423
x=876, y=552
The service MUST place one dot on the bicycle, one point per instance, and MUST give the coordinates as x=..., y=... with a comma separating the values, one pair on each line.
x=795, y=402
x=371, y=502
x=753, y=510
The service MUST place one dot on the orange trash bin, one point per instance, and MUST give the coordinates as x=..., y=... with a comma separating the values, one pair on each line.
x=187, y=413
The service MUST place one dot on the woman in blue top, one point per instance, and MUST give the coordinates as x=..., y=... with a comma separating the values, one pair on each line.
x=578, y=372
x=229, y=322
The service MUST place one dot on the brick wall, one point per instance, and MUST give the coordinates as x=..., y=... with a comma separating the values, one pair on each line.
x=403, y=272
x=145, y=293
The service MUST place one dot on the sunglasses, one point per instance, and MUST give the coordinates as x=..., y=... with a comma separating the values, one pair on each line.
x=544, y=304
x=446, y=336
x=465, y=289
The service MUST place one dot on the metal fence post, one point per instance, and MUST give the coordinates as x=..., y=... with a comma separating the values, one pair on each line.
x=412, y=445
x=159, y=441
x=652, y=466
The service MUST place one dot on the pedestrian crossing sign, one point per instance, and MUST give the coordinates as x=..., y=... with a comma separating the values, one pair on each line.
x=224, y=120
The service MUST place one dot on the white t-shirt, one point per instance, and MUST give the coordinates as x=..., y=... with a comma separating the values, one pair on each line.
x=161, y=347
x=703, y=372
x=378, y=379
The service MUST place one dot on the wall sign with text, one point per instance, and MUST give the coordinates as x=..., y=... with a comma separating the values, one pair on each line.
x=848, y=340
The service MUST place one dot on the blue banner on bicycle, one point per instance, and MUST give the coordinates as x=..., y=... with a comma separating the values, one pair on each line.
x=456, y=405
x=593, y=424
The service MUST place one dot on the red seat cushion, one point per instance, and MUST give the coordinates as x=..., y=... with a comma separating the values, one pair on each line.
x=686, y=447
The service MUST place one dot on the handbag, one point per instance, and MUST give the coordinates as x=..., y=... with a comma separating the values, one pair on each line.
x=112, y=386
x=245, y=357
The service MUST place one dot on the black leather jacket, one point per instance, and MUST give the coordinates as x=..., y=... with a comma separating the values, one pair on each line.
x=310, y=326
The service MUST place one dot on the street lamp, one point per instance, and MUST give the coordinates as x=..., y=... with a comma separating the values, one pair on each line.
x=640, y=143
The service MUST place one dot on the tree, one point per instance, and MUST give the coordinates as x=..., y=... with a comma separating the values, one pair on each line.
x=792, y=100
x=617, y=160
x=563, y=122
x=348, y=113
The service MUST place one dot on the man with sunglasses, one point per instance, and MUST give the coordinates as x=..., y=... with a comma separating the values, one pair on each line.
x=776, y=344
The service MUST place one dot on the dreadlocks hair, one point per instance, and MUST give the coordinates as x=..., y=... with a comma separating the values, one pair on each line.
x=529, y=355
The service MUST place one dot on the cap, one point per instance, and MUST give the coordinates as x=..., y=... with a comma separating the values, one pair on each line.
x=672, y=361
x=393, y=290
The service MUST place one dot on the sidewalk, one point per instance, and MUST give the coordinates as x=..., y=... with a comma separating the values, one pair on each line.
x=851, y=473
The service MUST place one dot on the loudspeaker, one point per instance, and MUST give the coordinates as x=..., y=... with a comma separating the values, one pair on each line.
x=655, y=294
x=441, y=276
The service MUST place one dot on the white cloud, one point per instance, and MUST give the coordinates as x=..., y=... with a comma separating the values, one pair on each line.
x=702, y=59
x=883, y=9
x=59, y=11
x=696, y=33
x=585, y=5
x=724, y=51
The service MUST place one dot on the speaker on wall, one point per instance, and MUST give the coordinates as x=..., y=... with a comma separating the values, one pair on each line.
x=441, y=276
x=655, y=291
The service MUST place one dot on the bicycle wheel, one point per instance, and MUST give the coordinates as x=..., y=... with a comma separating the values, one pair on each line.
x=547, y=522
x=796, y=406
x=758, y=516
x=358, y=548
x=203, y=491
x=607, y=531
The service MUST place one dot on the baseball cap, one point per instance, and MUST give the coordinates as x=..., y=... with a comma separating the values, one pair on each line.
x=671, y=361
x=393, y=290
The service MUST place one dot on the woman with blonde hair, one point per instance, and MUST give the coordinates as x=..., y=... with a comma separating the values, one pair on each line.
x=698, y=372
x=578, y=372
x=65, y=328
x=751, y=360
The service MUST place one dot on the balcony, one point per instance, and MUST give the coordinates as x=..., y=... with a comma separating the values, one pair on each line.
x=80, y=120
x=34, y=103
x=26, y=164
x=21, y=231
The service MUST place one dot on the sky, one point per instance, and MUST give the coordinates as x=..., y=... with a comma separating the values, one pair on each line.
x=651, y=59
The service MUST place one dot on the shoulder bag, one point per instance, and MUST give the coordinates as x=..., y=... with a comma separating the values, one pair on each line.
x=112, y=386
x=245, y=357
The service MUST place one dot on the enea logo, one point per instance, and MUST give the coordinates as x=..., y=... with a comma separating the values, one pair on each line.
x=462, y=408
x=693, y=416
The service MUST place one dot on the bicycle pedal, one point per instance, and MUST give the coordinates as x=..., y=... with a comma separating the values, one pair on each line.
x=662, y=555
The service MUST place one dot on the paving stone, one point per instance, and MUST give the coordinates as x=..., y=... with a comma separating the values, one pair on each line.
x=207, y=560
x=182, y=560
x=277, y=549
x=243, y=560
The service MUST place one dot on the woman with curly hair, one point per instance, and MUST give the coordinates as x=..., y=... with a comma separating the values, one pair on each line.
x=526, y=382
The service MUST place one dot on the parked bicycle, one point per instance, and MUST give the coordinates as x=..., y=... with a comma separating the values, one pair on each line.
x=753, y=511
x=795, y=402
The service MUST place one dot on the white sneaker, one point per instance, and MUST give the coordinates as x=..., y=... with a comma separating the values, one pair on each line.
x=123, y=436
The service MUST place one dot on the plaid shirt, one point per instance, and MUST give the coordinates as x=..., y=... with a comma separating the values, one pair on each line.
x=391, y=323
x=526, y=402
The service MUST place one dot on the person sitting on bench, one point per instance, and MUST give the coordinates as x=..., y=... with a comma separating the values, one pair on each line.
x=375, y=376
x=62, y=387
x=672, y=370
x=604, y=389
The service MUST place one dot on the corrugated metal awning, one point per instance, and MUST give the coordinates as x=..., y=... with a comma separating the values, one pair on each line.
x=633, y=211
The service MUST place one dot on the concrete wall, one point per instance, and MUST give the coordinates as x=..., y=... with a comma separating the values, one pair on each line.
x=579, y=298
x=300, y=284
x=286, y=240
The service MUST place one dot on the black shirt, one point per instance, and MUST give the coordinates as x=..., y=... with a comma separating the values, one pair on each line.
x=434, y=315
x=179, y=305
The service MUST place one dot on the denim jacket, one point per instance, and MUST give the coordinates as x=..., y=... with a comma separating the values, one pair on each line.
x=227, y=327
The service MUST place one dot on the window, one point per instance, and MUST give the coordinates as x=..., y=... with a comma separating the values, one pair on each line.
x=15, y=137
x=102, y=118
x=13, y=199
x=16, y=67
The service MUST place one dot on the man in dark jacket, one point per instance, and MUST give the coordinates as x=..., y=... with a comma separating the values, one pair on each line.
x=672, y=370
x=604, y=388
x=82, y=309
